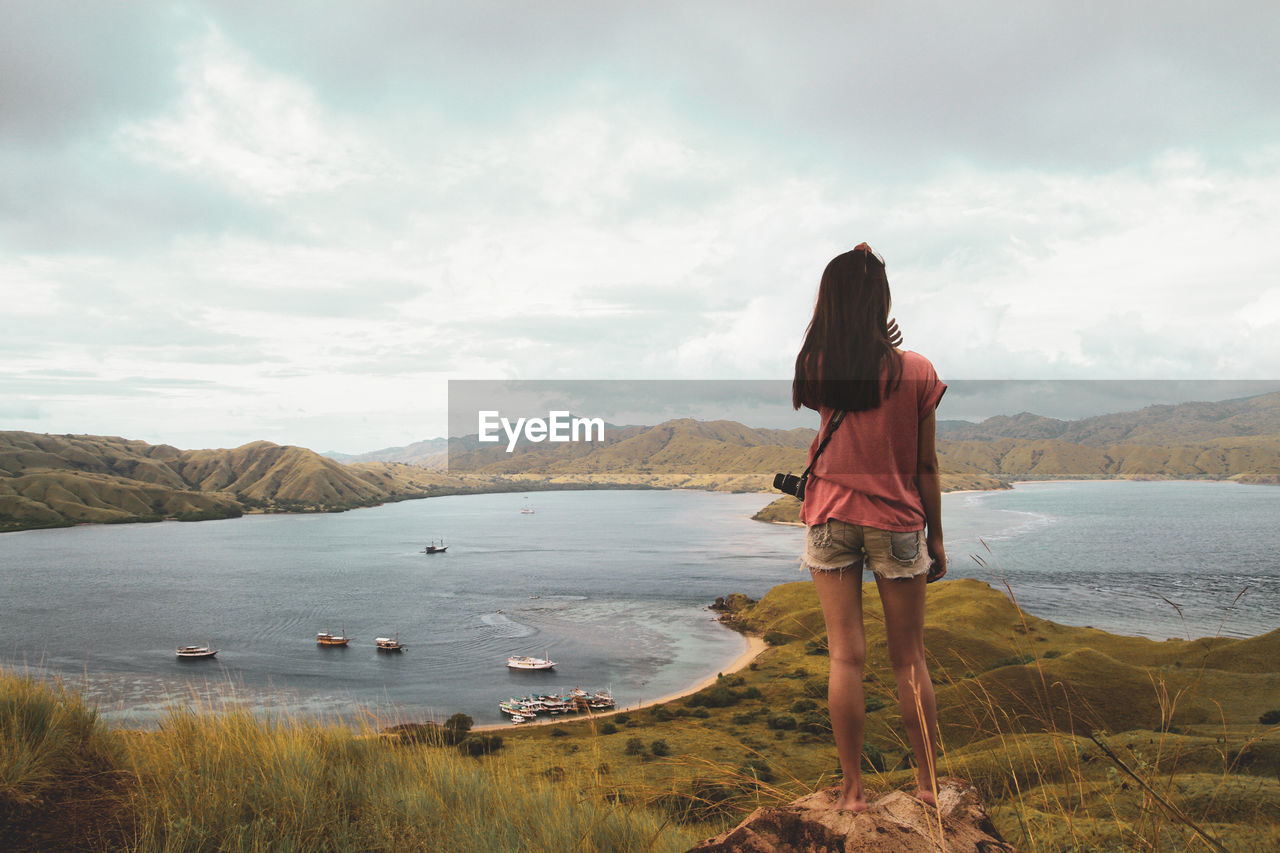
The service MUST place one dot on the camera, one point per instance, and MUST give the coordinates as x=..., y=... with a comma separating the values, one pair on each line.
x=790, y=484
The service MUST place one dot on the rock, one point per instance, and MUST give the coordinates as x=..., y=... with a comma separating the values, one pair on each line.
x=731, y=603
x=896, y=822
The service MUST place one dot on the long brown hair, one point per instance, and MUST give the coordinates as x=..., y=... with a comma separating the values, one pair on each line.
x=846, y=347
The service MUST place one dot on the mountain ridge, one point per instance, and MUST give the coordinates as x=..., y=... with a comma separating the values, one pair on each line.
x=56, y=480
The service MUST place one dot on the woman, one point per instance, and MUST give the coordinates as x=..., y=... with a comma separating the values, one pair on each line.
x=872, y=501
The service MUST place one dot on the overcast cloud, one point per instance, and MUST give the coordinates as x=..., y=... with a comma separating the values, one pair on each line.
x=296, y=221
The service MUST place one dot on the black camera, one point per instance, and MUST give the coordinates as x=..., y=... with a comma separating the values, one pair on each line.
x=790, y=484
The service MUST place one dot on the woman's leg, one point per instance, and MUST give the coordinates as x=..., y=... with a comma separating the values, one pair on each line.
x=903, y=600
x=840, y=592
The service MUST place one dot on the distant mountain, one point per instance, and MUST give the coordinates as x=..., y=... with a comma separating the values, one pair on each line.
x=1229, y=440
x=683, y=453
x=48, y=480
x=431, y=453
x=1174, y=424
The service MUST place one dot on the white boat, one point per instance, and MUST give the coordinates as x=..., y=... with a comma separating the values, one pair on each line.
x=389, y=644
x=526, y=511
x=188, y=652
x=518, y=708
x=525, y=662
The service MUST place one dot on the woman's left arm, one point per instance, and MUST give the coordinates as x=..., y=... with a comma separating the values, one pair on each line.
x=929, y=484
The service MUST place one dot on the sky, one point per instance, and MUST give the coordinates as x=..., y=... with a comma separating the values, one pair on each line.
x=298, y=221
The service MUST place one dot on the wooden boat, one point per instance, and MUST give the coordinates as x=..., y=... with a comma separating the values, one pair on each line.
x=525, y=662
x=433, y=548
x=324, y=638
x=194, y=652
x=388, y=644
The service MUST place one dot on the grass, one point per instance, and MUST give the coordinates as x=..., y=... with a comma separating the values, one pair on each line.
x=47, y=735
x=237, y=783
x=234, y=782
x=1077, y=739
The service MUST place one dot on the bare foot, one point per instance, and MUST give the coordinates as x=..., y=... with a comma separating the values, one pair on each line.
x=926, y=796
x=850, y=804
x=853, y=800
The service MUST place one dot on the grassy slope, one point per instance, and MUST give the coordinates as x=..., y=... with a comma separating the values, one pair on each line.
x=1182, y=716
x=234, y=783
x=1020, y=730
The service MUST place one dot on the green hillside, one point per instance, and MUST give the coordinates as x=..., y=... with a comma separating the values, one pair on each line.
x=54, y=481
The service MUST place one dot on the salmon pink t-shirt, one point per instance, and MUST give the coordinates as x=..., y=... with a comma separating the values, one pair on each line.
x=867, y=474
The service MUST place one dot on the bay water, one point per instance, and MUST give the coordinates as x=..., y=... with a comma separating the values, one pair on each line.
x=613, y=585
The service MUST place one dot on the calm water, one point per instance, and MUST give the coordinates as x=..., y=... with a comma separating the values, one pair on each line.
x=613, y=585
x=1109, y=554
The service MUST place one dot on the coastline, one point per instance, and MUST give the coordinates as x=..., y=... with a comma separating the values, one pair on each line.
x=755, y=645
x=782, y=523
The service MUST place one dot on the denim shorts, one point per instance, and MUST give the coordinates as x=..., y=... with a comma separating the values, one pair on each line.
x=835, y=545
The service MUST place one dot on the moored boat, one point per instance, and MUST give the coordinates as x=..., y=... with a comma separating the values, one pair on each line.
x=193, y=652
x=324, y=638
x=575, y=701
x=526, y=662
x=389, y=644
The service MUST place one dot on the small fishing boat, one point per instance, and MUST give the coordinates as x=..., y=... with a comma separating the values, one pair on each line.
x=389, y=644
x=194, y=652
x=324, y=638
x=526, y=511
x=433, y=548
x=526, y=662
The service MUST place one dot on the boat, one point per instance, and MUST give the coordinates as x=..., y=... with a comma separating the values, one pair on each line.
x=192, y=652
x=574, y=702
x=389, y=644
x=526, y=511
x=525, y=662
x=324, y=638
x=433, y=548
x=520, y=708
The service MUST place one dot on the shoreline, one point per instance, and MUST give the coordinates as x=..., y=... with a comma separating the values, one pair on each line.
x=782, y=523
x=755, y=646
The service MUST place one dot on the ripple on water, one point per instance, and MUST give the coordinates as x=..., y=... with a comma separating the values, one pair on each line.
x=506, y=628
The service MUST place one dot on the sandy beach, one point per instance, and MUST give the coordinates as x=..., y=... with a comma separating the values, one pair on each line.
x=755, y=645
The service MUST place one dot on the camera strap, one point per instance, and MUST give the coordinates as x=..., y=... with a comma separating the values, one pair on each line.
x=836, y=420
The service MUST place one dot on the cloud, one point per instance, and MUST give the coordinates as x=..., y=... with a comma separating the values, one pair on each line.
x=70, y=68
x=262, y=134
x=314, y=213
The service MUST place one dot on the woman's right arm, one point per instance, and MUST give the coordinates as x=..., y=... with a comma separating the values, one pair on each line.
x=930, y=488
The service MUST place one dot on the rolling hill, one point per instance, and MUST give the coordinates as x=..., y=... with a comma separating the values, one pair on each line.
x=58, y=480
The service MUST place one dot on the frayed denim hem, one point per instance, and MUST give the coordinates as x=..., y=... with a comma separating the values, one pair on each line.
x=813, y=566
